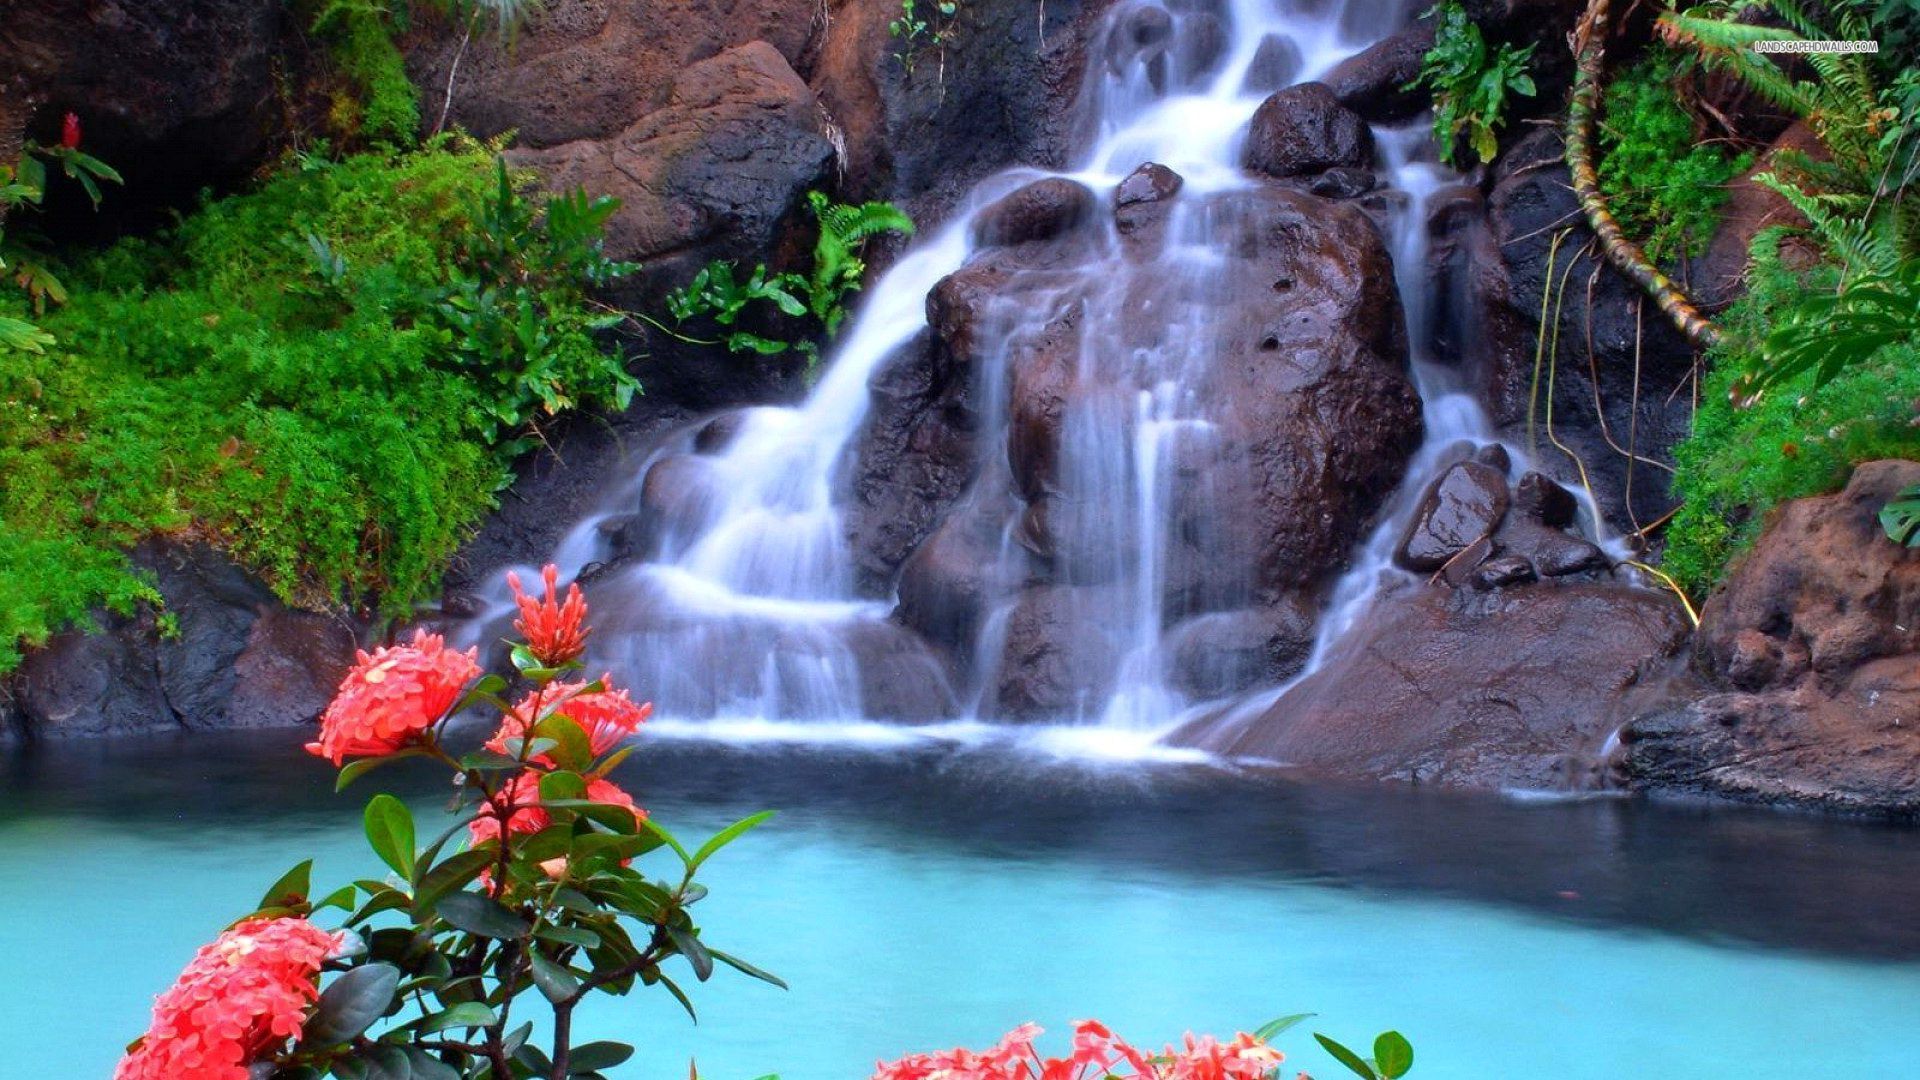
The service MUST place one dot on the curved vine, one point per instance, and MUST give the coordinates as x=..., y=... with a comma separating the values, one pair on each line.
x=1589, y=47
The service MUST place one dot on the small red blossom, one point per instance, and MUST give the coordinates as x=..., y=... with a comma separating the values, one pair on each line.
x=243, y=995
x=1097, y=1054
x=519, y=799
x=390, y=698
x=70, y=132
x=556, y=632
x=606, y=716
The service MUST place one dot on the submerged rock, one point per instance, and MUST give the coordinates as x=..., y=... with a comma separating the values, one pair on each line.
x=1809, y=658
x=1511, y=689
x=1041, y=210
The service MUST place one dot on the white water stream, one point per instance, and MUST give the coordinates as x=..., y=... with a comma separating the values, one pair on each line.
x=745, y=622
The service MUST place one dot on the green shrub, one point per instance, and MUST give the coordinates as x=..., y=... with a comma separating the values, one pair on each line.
x=290, y=374
x=1471, y=83
x=1796, y=440
x=1663, y=185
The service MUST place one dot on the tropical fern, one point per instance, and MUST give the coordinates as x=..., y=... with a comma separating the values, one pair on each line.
x=1827, y=332
x=837, y=265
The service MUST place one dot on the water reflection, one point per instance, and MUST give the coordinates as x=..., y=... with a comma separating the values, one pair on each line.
x=1718, y=873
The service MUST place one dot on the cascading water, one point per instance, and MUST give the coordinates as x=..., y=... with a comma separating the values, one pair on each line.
x=747, y=608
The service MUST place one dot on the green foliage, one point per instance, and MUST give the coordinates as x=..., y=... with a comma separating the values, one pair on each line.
x=1901, y=517
x=720, y=295
x=1471, y=83
x=23, y=184
x=1797, y=439
x=1826, y=331
x=384, y=108
x=1663, y=185
x=296, y=374
x=1392, y=1056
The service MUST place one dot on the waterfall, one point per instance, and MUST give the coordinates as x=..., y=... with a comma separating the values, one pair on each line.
x=747, y=616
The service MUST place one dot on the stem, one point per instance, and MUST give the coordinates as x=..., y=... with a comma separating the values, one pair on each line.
x=446, y=99
x=1589, y=46
x=563, y=1010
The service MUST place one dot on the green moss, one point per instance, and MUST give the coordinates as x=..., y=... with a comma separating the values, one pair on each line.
x=1740, y=463
x=1663, y=185
x=278, y=376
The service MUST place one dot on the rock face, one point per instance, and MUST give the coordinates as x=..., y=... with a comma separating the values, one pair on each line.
x=1304, y=129
x=1495, y=261
x=714, y=172
x=1310, y=418
x=1810, y=656
x=1469, y=527
x=239, y=658
x=925, y=133
x=1512, y=689
x=176, y=96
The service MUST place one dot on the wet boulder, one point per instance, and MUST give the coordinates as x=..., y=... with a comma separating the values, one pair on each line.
x=1062, y=651
x=1303, y=130
x=1464, y=506
x=1516, y=688
x=1041, y=210
x=1374, y=81
x=1276, y=63
x=1229, y=652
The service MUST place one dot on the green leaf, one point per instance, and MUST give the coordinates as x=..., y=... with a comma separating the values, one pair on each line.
x=428, y=1067
x=387, y=1063
x=569, y=935
x=481, y=916
x=291, y=889
x=389, y=827
x=657, y=829
x=342, y=898
x=1901, y=517
x=597, y=1056
x=24, y=336
x=452, y=874
x=1393, y=1054
x=724, y=837
x=553, y=979
x=572, y=750
x=688, y=942
x=351, y=1005
x=1347, y=1057
x=1273, y=1029
x=467, y=1014
x=745, y=968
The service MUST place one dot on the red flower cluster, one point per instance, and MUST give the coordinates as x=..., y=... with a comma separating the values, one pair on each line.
x=242, y=995
x=526, y=815
x=607, y=716
x=1097, y=1053
x=392, y=697
x=70, y=132
x=556, y=632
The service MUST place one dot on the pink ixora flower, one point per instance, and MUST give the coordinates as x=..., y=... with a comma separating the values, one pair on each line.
x=607, y=716
x=242, y=996
x=556, y=632
x=391, y=697
x=1097, y=1055
x=70, y=131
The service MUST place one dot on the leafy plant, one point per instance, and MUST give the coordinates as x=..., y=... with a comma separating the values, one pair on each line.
x=288, y=373
x=1471, y=83
x=1901, y=517
x=24, y=184
x=719, y=293
x=1660, y=181
x=517, y=309
x=533, y=894
x=1392, y=1056
x=1825, y=331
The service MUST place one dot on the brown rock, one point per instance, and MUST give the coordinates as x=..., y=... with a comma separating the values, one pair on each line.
x=1373, y=82
x=1041, y=210
x=1466, y=504
x=1515, y=688
x=1817, y=632
x=1062, y=650
x=1303, y=130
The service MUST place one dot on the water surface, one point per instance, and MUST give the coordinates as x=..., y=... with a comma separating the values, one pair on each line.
x=922, y=897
